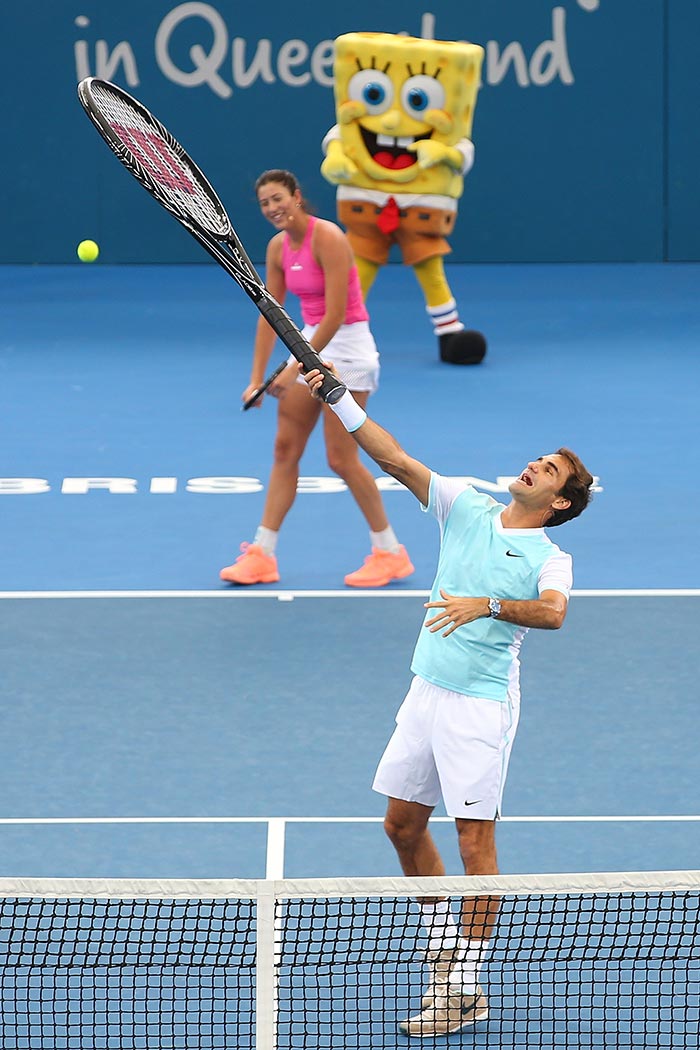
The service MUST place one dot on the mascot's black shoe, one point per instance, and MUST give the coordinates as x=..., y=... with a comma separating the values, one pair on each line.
x=462, y=348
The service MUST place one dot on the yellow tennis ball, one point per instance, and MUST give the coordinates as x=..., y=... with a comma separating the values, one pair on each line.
x=88, y=251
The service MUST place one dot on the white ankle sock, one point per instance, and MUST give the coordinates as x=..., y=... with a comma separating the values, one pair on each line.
x=464, y=975
x=385, y=540
x=266, y=538
x=440, y=926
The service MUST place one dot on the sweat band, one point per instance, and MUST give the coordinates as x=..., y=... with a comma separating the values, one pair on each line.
x=349, y=412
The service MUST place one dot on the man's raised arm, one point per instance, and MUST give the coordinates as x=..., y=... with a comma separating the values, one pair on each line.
x=378, y=443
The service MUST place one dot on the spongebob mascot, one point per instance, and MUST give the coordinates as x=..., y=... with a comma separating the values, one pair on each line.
x=398, y=155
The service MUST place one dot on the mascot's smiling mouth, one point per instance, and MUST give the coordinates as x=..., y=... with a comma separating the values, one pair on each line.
x=391, y=152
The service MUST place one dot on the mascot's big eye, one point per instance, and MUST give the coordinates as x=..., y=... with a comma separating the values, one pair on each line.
x=374, y=89
x=421, y=93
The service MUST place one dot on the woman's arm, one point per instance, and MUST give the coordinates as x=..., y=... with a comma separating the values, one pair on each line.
x=265, y=335
x=334, y=255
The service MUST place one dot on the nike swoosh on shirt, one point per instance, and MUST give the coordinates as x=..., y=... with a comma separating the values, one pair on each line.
x=510, y=554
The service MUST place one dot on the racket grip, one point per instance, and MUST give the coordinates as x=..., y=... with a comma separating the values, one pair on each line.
x=257, y=394
x=332, y=389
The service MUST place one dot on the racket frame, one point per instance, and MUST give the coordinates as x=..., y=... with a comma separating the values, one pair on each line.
x=223, y=244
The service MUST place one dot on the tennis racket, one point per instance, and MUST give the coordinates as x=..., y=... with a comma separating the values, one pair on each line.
x=161, y=165
x=257, y=394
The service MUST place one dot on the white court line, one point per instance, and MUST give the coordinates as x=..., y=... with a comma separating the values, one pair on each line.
x=247, y=593
x=671, y=592
x=276, y=824
x=276, y=828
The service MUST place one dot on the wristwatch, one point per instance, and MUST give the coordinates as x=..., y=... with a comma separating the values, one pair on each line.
x=494, y=608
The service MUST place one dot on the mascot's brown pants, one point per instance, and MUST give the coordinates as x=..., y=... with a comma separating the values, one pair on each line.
x=420, y=236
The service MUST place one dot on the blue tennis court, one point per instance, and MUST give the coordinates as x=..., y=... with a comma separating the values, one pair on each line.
x=159, y=725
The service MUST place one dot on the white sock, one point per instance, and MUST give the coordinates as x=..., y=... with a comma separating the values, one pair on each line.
x=266, y=538
x=464, y=975
x=385, y=540
x=440, y=926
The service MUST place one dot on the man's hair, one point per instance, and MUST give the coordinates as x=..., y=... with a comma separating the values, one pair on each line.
x=576, y=488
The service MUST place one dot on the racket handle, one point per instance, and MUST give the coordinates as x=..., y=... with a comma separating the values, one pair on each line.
x=332, y=389
x=257, y=394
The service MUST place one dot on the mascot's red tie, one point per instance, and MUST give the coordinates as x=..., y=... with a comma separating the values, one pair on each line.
x=388, y=218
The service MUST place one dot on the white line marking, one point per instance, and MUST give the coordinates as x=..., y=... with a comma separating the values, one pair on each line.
x=279, y=822
x=672, y=592
x=248, y=593
x=631, y=592
x=276, y=829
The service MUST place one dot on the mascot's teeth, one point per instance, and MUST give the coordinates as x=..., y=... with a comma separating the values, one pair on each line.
x=388, y=141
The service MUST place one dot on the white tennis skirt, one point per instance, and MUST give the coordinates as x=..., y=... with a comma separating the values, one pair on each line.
x=353, y=353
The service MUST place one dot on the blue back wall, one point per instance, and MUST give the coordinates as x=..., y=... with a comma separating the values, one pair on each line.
x=586, y=130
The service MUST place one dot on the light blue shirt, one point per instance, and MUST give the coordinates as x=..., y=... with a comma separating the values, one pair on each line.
x=478, y=557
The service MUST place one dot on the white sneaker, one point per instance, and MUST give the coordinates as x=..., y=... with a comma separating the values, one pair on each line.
x=440, y=964
x=447, y=1013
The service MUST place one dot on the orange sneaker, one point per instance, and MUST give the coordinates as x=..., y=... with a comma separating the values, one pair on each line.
x=252, y=566
x=380, y=568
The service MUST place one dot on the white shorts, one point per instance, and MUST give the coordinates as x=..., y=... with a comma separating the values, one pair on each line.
x=452, y=746
x=353, y=352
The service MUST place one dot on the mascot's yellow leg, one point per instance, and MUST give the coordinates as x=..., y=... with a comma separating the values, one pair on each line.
x=367, y=271
x=458, y=346
x=431, y=277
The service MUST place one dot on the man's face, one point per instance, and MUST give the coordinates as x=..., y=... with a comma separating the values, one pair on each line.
x=538, y=486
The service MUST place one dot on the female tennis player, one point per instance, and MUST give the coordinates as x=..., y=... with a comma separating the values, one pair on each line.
x=312, y=258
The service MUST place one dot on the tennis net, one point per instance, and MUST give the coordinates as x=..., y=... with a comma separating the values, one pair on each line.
x=590, y=960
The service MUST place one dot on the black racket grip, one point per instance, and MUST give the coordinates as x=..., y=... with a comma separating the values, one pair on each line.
x=257, y=394
x=332, y=389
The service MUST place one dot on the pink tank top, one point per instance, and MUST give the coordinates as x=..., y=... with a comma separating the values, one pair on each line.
x=305, y=279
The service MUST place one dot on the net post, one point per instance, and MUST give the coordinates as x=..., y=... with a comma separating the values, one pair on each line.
x=265, y=971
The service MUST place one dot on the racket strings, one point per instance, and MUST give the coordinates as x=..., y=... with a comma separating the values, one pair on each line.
x=150, y=153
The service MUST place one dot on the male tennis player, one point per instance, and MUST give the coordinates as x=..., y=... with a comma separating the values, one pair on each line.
x=498, y=575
